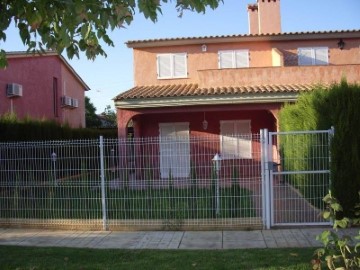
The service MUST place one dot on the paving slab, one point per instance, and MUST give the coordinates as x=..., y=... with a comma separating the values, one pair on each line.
x=275, y=238
x=202, y=240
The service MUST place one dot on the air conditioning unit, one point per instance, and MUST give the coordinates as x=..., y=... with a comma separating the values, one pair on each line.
x=74, y=102
x=14, y=90
x=66, y=101
x=69, y=102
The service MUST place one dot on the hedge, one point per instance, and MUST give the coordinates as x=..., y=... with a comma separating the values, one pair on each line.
x=337, y=106
x=13, y=129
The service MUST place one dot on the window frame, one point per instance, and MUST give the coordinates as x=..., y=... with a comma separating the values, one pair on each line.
x=314, y=59
x=172, y=67
x=234, y=62
x=239, y=138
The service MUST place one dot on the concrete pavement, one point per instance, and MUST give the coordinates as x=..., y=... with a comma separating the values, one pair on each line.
x=279, y=238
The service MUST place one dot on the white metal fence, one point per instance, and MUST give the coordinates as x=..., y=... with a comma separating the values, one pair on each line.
x=166, y=183
x=299, y=177
x=129, y=184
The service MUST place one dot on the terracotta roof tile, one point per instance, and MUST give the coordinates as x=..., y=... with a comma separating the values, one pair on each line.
x=191, y=90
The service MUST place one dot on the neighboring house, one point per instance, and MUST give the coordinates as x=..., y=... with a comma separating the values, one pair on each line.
x=230, y=85
x=42, y=87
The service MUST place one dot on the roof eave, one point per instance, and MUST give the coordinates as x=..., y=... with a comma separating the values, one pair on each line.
x=207, y=100
x=243, y=38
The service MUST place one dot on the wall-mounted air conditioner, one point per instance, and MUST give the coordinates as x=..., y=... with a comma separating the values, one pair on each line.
x=14, y=90
x=74, y=102
x=69, y=102
x=66, y=101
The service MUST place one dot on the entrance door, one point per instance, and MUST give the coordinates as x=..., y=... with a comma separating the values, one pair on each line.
x=174, y=150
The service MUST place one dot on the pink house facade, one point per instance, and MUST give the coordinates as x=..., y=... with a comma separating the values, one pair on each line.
x=222, y=85
x=42, y=87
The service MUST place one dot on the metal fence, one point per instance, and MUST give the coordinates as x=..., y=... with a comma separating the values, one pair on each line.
x=145, y=183
x=299, y=177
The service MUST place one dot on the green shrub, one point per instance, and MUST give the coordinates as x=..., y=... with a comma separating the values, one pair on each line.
x=337, y=106
x=339, y=251
x=27, y=129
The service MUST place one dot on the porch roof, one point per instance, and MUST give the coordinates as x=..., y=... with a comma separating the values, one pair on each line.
x=192, y=94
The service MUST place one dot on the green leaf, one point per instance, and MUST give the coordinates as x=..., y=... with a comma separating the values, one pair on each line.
x=326, y=214
x=85, y=30
x=3, y=61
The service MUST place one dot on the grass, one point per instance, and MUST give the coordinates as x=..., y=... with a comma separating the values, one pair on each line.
x=80, y=201
x=37, y=258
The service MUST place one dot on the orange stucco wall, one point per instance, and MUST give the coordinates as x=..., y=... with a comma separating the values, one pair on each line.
x=260, y=53
x=36, y=75
x=269, y=16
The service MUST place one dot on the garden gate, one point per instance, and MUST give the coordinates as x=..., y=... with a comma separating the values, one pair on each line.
x=296, y=176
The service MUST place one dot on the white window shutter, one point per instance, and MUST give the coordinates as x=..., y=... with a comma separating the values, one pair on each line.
x=236, y=139
x=228, y=142
x=321, y=56
x=243, y=130
x=242, y=58
x=226, y=59
x=305, y=56
x=180, y=66
x=164, y=65
x=181, y=164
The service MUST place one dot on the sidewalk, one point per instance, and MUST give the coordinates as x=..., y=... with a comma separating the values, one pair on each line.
x=280, y=238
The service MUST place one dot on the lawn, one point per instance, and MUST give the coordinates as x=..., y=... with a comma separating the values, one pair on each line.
x=26, y=258
x=80, y=201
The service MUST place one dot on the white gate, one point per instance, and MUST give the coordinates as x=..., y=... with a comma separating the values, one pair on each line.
x=296, y=174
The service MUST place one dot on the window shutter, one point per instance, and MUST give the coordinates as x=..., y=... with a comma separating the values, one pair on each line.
x=321, y=56
x=228, y=142
x=305, y=56
x=226, y=59
x=236, y=139
x=242, y=58
x=243, y=130
x=164, y=66
x=180, y=68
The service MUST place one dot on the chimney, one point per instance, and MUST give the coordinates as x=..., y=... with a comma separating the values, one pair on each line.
x=253, y=19
x=268, y=17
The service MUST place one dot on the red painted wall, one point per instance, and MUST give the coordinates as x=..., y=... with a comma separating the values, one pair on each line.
x=149, y=123
x=36, y=74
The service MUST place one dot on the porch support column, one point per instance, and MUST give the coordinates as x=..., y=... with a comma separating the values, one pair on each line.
x=275, y=113
x=123, y=118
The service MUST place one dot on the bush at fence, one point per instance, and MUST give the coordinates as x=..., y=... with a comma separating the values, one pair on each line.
x=337, y=106
x=13, y=129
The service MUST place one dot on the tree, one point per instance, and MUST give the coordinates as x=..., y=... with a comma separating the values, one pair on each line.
x=91, y=118
x=110, y=116
x=78, y=25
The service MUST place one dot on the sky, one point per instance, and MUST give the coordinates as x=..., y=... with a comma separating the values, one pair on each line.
x=108, y=77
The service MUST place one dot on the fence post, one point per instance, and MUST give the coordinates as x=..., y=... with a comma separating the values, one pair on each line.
x=263, y=195
x=102, y=177
x=266, y=178
x=331, y=133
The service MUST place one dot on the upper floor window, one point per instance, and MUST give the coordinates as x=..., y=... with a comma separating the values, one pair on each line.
x=313, y=56
x=172, y=65
x=235, y=138
x=234, y=59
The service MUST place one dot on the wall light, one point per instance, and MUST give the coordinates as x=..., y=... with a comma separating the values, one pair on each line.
x=204, y=123
x=204, y=48
x=341, y=44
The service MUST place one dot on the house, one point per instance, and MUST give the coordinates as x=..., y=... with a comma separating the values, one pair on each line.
x=42, y=87
x=229, y=85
